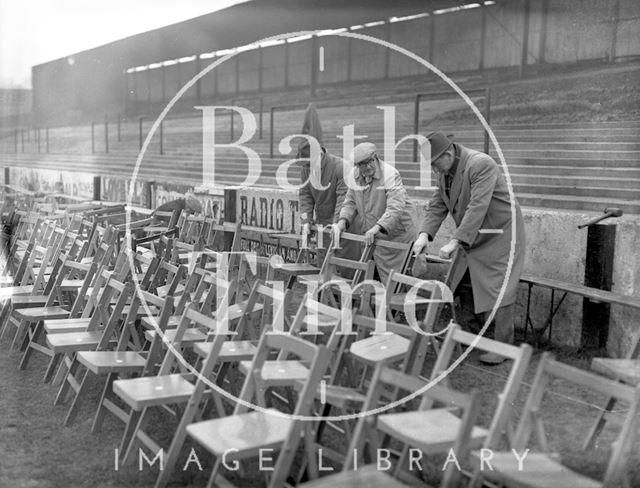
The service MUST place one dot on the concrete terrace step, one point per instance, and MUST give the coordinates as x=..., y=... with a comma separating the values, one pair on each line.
x=578, y=181
x=582, y=171
x=577, y=203
x=626, y=194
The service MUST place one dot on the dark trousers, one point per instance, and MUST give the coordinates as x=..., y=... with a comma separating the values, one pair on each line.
x=502, y=327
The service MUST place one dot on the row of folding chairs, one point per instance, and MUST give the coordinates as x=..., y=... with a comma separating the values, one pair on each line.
x=171, y=332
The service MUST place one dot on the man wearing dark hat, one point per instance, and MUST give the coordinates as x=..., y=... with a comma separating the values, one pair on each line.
x=378, y=198
x=473, y=190
x=321, y=205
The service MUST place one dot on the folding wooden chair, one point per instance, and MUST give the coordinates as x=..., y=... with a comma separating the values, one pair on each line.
x=626, y=371
x=499, y=429
x=162, y=389
x=368, y=476
x=541, y=468
x=418, y=428
x=243, y=434
x=123, y=362
x=103, y=330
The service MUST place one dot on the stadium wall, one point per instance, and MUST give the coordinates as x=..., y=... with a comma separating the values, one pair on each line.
x=97, y=82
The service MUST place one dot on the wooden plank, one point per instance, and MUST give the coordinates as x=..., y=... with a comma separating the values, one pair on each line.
x=585, y=291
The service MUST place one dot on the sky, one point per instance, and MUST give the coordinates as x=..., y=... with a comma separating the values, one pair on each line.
x=37, y=31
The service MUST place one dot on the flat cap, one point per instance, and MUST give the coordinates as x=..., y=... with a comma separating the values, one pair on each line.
x=362, y=151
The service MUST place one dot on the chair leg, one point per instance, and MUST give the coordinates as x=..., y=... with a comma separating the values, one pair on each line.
x=6, y=314
x=33, y=338
x=598, y=424
x=67, y=381
x=129, y=439
x=102, y=410
x=53, y=362
x=22, y=325
x=214, y=473
x=73, y=408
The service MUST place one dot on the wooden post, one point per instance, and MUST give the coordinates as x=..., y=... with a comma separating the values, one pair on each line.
x=314, y=65
x=598, y=273
x=483, y=35
x=387, y=52
x=349, y=56
x=161, y=137
x=198, y=68
x=230, y=215
x=525, y=37
x=543, y=31
x=140, y=132
x=149, y=193
x=15, y=140
x=106, y=135
x=119, y=121
x=260, y=62
x=432, y=37
x=38, y=138
x=97, y=184
x=93, y=133
x=7, y=175
x=286, y=63
x=46, y=139
x=237, y=69
x=22, y=140
x=615, y=20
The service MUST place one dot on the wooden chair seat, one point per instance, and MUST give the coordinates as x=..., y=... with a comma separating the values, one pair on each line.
x=149, y=391
x=279, y=373
x=384, y=348
x=439, y=426
x=539, y=471
x=73, y=341
x=25, y=301
x=317, y=278
x=152, y=229
x=103, y=362
x=231, y=350
x=10, y=291
x=627, y=370
x=365, y=477
x=298, y=269
x=241, y=435
x=191, y=336
x=71, y=285
x=66, y=325
x=42, y=313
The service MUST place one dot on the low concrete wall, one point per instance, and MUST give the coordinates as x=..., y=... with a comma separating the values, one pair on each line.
x=555, y=247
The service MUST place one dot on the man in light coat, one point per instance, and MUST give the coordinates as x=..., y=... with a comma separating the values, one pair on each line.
x=378, y=198
x=473, y=190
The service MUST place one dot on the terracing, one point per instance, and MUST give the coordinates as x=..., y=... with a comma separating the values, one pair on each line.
x=581, y=165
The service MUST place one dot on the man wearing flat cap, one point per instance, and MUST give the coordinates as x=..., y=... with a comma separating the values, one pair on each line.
x=380, y=200
x=473, y=190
